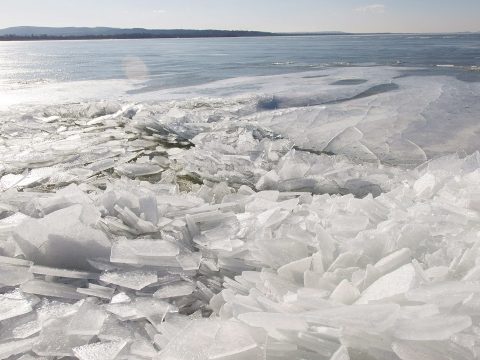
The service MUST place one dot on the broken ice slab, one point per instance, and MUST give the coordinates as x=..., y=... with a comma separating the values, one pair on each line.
x=15, y=261
x=11, y=275
x=14, y=304
x=132, y=220
x=99, y=291
x=391, y=285
x=63, y=198
x=189, y=260
x=88, y=320
x=16, y=347
x=233, y=340
x=142, y=348
x=393, y=260
x=64, y=239
x=345, y=293
x=444, y=294
x=348, y=224
x=123, y=311
x=71, y=274
x=294, y=271
x=10, y=180
x=178, y=289
x=101, y=165
x=208, y=208
x=170, y=328
x=313, y=299
x=311, y=341
x=54, y=309
x=192, y=342
x=154, y=310
x=152, y=247
x=19, y=327
x=279, y=321
x=431, y=350
x=116, y=226
x=376, y=318
x=27, y=179
x=438, y=327
x=426, y=185
x=341, y=354
x=133, y=170
x=114, y=330
x=135, y=279
x=145, y=252
x=50, y=289
x=54, y=339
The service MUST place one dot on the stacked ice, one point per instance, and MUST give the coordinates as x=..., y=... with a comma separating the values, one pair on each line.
x=135, y=232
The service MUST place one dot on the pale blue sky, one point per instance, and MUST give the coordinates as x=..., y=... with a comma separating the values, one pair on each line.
x=268, y=15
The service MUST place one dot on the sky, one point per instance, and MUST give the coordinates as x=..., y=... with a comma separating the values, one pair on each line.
x=263, y=15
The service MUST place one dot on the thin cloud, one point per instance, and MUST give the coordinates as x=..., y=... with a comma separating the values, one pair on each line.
x=160, y=11
x=371, y=9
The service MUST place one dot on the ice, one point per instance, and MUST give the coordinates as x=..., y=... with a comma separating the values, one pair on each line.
x=152, y=248
x=296, y=269
x=46, y=288
x=234, y=340
x=71, y=274
x=14, y=304
x=136, y=280
x=88, y=320
x=213, y=228
x=345, y=293
x=435, y=350
x=183, y=288
x=437, y=327
x=373, y=317
x=27, y=329
x=20, y=327
x=54, y=339
x=446, y=293
x=97, y=291
x=274, y=321
x=64, y=238
x=192, y=343
x=143, y=348
x=99, y=351
x=131, y=219
x=341, y=354
x=14, y=261
x=396, y=283
x=134, y=170
x=14, y=275
x=16, y=347
x=393, y=260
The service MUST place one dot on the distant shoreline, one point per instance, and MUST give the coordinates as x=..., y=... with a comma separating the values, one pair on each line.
x=34, y=33
x=130, y=37
x=141, y=36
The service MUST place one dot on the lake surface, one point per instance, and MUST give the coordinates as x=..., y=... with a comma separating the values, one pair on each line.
x=167, y=63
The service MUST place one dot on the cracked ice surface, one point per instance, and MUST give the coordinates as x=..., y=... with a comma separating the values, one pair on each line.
x=263, y=226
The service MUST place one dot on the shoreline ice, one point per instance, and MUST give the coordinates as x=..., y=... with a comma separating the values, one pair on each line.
x=207, y=229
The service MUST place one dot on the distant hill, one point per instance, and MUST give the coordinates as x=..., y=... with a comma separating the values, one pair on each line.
x=54, y=33
x=106, y=32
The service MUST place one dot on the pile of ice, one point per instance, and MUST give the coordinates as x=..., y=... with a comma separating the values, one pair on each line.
x=130, y=235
